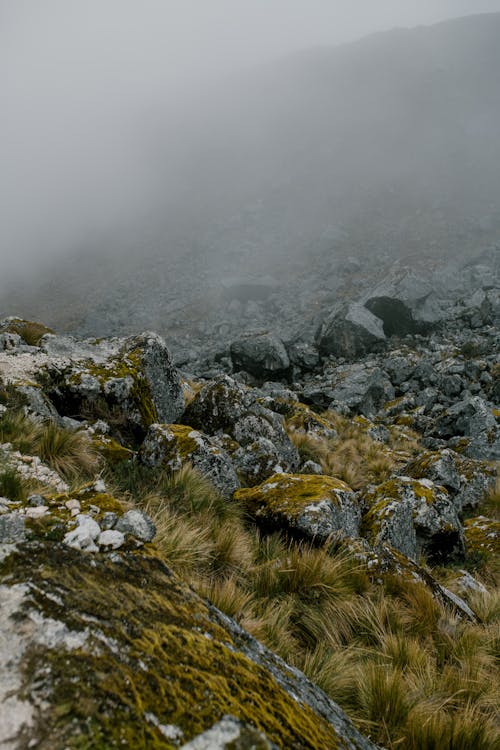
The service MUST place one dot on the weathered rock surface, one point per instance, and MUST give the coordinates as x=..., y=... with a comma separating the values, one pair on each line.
x=131, y=382
x=173, y=446
x=315, y=507
x=350, y=333
x=413, y=516
x=263, y=355
x=225, y=407
x=90, y=653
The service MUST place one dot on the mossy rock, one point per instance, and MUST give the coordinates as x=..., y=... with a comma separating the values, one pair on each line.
x=111, y=450
x=131, y=384
x=111, y=653
x=301, y=417
x=172, y=446
x=413, y=516
x=310, y=506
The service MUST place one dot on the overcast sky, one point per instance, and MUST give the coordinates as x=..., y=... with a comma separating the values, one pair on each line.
x=79, y=77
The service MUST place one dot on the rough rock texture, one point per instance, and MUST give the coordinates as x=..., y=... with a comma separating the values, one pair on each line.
x=224, y=406
x=263, y=355
x=131, y=382
x=413, y=515
x=104, y=651
x=468, y=481
x=350, y=333
x=172, y=446
x=315, y=507
x=474, y=418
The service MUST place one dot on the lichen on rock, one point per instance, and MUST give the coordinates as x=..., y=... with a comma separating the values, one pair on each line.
x=311, y=506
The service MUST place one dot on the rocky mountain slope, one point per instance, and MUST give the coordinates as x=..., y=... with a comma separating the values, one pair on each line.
x=330, y=495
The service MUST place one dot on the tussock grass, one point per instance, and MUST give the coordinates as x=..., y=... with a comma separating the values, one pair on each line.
x=13, y=486
x=19, y=430
x=407, y=671
x=68, y=452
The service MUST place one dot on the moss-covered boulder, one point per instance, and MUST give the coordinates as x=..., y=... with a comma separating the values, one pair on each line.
x=174, y=445
x=225, y=407
x=467, y=480
x=310, y=506
x=131, y=383
x=110, y=651
x=413, y=516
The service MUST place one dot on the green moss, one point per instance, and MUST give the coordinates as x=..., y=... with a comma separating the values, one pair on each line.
x=301, y=417
x=482, y=535
x=152, y=647
x=111, y=450
x=289, y=494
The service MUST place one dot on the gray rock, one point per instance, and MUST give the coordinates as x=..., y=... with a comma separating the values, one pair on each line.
x=12, y=528
x=111, y=539
x=224, y=406
x=308, y=506
x=473, y=418
x=109, y=521
x=137, y=523
x=350, y=333
x=172, y=446
x=10, y=341
x=256, y=461
x=261, y=354
x=303, y=355
x=363, y=390
x=414, y=516
x=467, y=480
x=132, y=380
x=85, y=534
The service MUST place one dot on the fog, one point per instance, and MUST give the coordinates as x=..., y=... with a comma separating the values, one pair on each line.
x=157, y=126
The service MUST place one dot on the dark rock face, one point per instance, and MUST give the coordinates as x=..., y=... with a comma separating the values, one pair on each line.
x=350, y=333
x=263, y=355
x=396, y=317
x=158, y=666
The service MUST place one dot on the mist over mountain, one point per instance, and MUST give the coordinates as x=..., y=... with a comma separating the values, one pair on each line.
x=388, y=146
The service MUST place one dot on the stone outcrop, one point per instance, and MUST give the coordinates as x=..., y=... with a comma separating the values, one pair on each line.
x=309, y=506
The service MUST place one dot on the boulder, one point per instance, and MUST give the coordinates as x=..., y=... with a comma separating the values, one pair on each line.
x=261, y=354
x=113, y=650
x=307, y=505
x=413, y=516
x=405, y=303
x=350, y=333
x=132, y=382
x=172, y=446
x=224, y=406
x=361, y=390
x=475, y=419
x=468, y=481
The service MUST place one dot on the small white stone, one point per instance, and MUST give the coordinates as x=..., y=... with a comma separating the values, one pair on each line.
x=99, y=486
x=111, y=538
x=37, y=512
x=72, y=504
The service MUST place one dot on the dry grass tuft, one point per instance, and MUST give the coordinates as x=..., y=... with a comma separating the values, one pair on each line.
x=68, y=452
